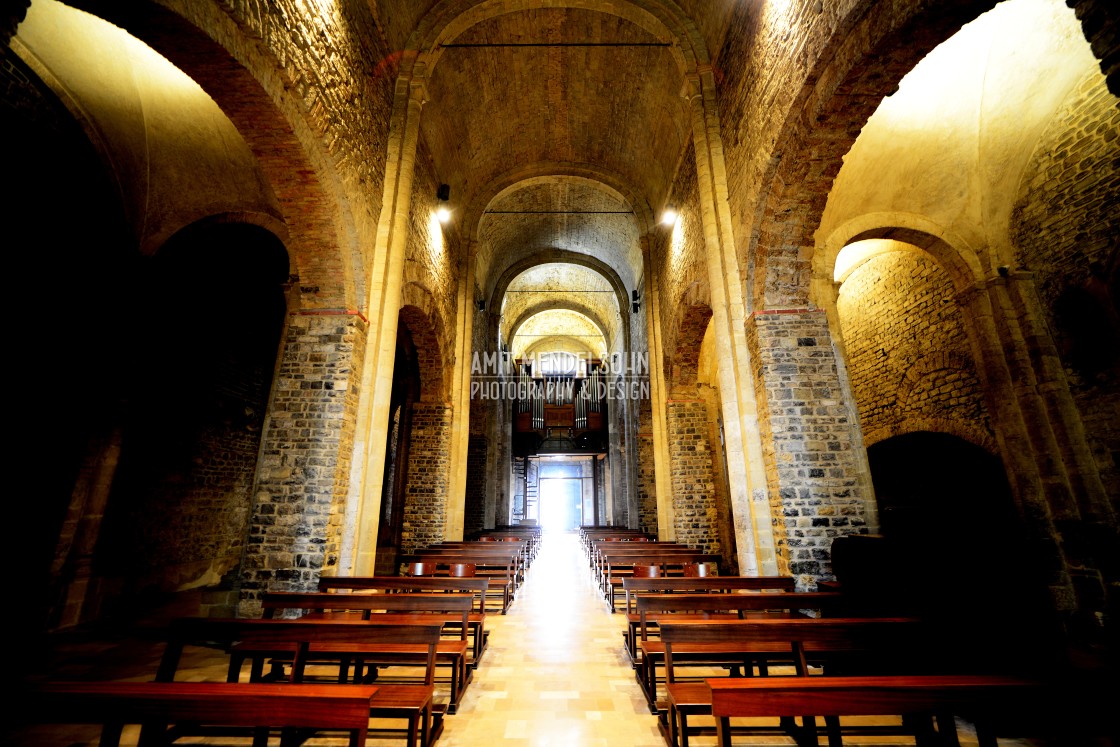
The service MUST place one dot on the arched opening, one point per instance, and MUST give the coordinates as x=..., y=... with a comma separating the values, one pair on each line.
x=204, y=340
x=406, y=391
x=956, y=547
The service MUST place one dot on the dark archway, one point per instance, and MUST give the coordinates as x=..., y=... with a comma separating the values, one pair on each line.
x=406, y=392
x=203, y=340
x=957, y=549
x=71, y=264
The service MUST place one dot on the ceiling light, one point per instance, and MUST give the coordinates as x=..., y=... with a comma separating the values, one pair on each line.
x=443, y=194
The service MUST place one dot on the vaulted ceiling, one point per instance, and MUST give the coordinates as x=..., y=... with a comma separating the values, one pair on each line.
x=558, y=129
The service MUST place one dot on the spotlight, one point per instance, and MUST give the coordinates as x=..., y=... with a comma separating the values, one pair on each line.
x=669, y=217
x=443, y=194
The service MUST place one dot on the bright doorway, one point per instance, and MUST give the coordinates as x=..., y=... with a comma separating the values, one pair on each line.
x=561, y=503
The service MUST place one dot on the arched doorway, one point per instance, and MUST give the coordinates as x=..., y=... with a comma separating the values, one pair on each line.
x=958, y=547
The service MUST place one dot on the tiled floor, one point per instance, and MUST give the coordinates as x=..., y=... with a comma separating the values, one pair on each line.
x=555, y=674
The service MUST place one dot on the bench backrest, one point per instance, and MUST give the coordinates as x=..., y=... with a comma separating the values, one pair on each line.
x=256, y=636
x=670, y=604
x=367, y=604
x=274, y=705
x=895, y=638
x=474, y=585
x=709, y=584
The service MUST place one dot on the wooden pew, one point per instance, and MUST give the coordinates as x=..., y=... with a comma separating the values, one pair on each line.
x=501, y=567
x=618, y=565
x=651, y=609
x=303, y=640
x=476, y=585
x=215, y=707
x=704, y=585
x=774, y=644
x=839, y=646
x=979, y=696
x=451, y=610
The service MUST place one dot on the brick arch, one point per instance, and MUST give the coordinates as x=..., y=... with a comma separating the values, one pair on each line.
x=418, y=316
x=870, y=53
x=965, y=431
x=575, y=306
x=691, y=324
x=209, y=47
x=952, y=252
x=551, y=256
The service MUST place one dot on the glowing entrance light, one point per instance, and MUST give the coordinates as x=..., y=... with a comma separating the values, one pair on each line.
x=560, y=508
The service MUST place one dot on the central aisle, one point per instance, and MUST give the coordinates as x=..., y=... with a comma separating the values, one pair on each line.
x=556, y=673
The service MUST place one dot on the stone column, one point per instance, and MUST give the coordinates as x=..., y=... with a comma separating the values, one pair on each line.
x=1041, y=498
x=751, y=508
x=429, y=476
x=302, y=479
x=389, y=251
x=814, y=467
x=461, y=397
x=658, y=396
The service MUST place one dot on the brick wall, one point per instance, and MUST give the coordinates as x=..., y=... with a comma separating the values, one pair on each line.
x=690, y=469
x=295, y=527
x=429, y=475
x=908, y=352
x=807, y=439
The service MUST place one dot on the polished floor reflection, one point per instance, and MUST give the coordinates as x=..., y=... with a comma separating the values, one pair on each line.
x=555, y=674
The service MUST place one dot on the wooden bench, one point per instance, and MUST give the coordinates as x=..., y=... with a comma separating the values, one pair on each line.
x=305, y=640
x=650, y=609
x=979, y=696
x=838, y=646
x=502, y=568
x=476, y=585
x=453, y=611
x=618, y=565
x=209, y=707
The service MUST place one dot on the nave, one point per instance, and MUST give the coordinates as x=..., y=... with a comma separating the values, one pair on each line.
x=555, y=674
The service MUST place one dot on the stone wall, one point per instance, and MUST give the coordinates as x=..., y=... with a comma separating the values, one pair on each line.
x=909, y=357
x=813, y=475
x=296, y=523
x=431, y=277
x=1064, y=227
x=690, y=469
x=429, y=476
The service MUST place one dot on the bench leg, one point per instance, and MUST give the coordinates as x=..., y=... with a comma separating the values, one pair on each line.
x=723, y=731
x=111, y=735
x=947, y=730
